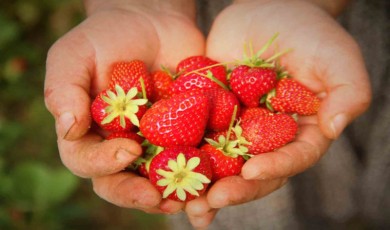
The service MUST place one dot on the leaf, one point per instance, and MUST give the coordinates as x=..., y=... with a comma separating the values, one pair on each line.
x=61, y=185
x=35, y=186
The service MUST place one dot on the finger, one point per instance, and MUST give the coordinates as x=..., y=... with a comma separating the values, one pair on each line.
x=295, y=157
x=90, y=156
x=236, y=190
x=346, y=84
x=129, y=191
x=68, y=70
x=171, y=207
x=199, y=213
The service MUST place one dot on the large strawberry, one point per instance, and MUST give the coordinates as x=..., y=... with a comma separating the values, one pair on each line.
x=129, y=74
x=117, y=110
x=179, y=120
x=197, y=72
x=180, y=173
x=221, y=110
x=162, y=81
x=268, y=132
x=290, y=96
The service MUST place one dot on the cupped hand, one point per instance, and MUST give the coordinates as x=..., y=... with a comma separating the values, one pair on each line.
x=324, y=57
x=159, y=33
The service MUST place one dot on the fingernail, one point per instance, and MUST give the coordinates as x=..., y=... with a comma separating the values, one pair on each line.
x=124, y=156
x=338, y=124
x=65, y=123
x=249, y=173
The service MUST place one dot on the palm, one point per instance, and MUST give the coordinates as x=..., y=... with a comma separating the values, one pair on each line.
x=158, y=40
x=320, y=52
x=77, y=69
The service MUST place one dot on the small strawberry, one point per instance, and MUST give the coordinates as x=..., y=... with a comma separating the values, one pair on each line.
x=128, y=74
x=290, y=96
x=162, y=81
x=221, y=111
x=180, y=173
x=179, y=120
x=268, y=132
x=118, y=110
x=199, y=72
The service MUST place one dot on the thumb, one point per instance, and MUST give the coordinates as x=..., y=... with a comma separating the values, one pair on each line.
x=68, y=69
x=348, y=93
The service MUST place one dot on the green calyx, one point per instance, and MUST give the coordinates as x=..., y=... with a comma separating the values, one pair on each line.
x=266, y=99
x=232, y=148
x=252, y=59
x=182, y=178
x=122, y=105
x=150, y=152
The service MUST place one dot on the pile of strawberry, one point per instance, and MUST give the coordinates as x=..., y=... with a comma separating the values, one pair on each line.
x=203, y=122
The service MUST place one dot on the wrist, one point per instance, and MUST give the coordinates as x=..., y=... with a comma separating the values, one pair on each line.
x=183, y=7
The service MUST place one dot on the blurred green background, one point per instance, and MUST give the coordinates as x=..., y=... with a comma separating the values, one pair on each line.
x=36, y=190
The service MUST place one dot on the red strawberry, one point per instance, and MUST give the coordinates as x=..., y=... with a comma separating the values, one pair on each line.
x=227, y=150
x=291, y=96
x=247, y=113
x=180, y=120
x=221, y=110
x=128, y=75
x=269, y=132
x=194, y=74
x=162, y=81
x=250, y=84
x=255, y=76
x=226, y=157
x=180, y=173
x=117, y=110
x=128, y=135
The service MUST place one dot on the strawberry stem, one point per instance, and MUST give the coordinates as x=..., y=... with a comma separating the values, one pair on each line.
x=267, y=45
x=231, y=123
x=210, y=76
x=209, y=67
x=143, y=88
x=277, y=55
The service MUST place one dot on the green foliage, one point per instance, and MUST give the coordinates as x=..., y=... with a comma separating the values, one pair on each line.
x=36, y=190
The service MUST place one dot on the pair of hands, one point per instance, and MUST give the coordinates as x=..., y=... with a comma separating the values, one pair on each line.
x=324, y=58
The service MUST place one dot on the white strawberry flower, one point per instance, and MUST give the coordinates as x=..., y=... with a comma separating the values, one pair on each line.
x=182, y=178
x=122, y=105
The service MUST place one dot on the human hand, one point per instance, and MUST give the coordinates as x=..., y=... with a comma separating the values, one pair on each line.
x=157, y=32
x=325, y=58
